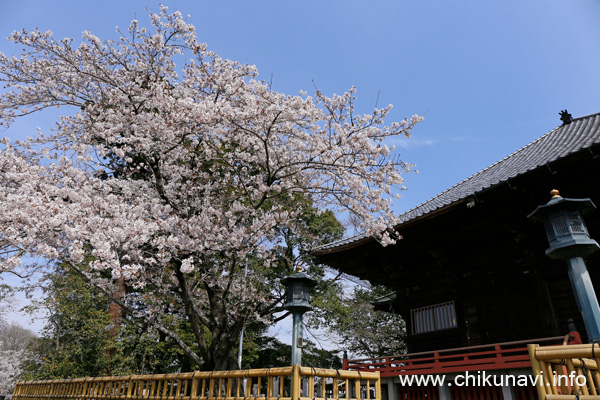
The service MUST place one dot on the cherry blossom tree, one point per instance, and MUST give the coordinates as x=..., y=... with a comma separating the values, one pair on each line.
x=13, y=349
x=10, y=368
x=172, y=169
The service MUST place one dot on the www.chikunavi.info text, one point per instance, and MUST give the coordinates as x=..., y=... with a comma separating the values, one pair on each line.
x=481, y=378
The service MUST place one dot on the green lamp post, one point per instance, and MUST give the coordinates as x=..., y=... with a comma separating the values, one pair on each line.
x=570, y=241
x=298, y=302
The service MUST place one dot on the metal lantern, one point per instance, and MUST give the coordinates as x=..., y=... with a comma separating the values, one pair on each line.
x=570, y=241
x=565, y=228
x=298, y=292
x=298, y=302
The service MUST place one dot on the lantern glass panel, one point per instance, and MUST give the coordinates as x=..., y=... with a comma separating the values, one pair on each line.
x=301, y=293
x=576, y=223
x=561, y=226
x=549, y=230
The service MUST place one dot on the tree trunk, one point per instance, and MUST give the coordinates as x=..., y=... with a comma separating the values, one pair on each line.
x=115, y=311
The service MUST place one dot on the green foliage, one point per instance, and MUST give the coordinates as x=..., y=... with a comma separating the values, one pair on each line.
x=262, y=351
x=75, y=341
x=312, y=229
x=79, y=338
x=140, y=350
x=273, y=353
x=360, y=330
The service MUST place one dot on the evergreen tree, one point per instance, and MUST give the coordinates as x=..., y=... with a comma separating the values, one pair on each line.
x=355, y=325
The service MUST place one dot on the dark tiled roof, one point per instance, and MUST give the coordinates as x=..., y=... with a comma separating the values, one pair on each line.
x=580, y=134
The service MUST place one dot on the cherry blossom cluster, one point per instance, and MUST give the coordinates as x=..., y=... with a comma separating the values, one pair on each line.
x=10, y=368
x=159, y=171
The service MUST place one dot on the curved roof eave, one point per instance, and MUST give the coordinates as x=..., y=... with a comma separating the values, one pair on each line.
x=580, y=134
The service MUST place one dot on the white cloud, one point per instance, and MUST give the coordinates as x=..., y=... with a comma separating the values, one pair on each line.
x=413, y=143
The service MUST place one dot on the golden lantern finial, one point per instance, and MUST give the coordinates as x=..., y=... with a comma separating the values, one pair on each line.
x=554, y=193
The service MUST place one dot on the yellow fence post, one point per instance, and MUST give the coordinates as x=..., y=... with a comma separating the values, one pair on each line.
x=216, y=385
x=194, y=392
x=378, y=386
x=16, y=391
x=129, y=387
x=296, y=381
x=537, y=372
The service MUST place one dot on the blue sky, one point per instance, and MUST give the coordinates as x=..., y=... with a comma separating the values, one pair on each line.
x=489, y=77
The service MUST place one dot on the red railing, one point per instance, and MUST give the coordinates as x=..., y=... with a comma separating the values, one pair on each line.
x=507, y=355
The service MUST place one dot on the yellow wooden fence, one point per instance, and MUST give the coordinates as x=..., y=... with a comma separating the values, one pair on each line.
x=566, y=372
x=287, y=383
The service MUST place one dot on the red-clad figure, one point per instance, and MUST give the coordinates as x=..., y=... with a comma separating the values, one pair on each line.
x=573, y=337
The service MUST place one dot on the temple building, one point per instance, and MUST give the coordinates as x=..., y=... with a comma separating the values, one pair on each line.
x=470, y=276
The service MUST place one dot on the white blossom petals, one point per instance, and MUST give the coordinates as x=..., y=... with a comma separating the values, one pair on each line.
x=159, y=169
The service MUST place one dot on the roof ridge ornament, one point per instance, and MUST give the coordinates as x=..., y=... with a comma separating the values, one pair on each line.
x=565, y=117
x=542, y=152
x=555, y=194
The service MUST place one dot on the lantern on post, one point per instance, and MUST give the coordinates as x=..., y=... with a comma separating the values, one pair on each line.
x=570, y=241
x=298, y=302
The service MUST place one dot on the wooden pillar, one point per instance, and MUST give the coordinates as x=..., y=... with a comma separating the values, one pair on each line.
x=508, y=392
x=444, y=392
x=392, y=388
